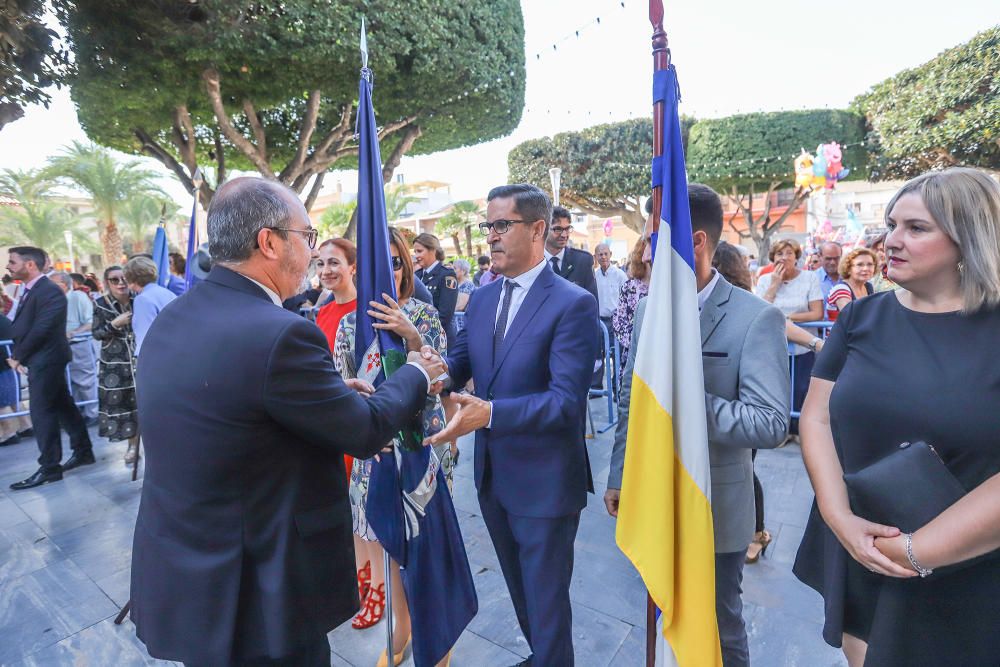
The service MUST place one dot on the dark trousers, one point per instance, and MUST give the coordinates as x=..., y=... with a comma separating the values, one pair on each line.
x=51, y=407
x=729, y=609
x=758, y=498
x=800, y=384
x=314, y=654
x=536, y=557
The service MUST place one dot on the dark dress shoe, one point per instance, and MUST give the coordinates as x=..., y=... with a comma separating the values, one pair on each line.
x=12, y=440
x=81, y=458
x=40, y=477
x=26, y=433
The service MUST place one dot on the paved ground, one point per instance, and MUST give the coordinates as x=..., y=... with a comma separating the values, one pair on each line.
x=65, y=551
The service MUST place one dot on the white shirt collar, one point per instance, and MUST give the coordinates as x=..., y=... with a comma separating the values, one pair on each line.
x=267, y=290
x=561, y=254
x=707, y=292
x=528, y=278
x=431, y=267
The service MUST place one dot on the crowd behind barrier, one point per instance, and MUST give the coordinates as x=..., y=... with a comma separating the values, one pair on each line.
x=8, y=346
x=824, y=327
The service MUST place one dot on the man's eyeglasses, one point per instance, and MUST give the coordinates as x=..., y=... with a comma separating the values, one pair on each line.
x=558, y=231
x=311, y=234
x=397, y=263
x=499, y=226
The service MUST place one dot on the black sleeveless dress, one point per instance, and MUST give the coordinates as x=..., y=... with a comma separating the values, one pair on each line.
x=905, y=376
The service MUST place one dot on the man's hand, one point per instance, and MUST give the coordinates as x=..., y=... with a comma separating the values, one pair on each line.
x=611, y=497
x=362, y=387
x=431, y=361
x=473, y=414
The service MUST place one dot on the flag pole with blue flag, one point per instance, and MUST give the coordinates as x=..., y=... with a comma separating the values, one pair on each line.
x=161, y=255
x=192, y=246
x=665, y=512
x=408, y=507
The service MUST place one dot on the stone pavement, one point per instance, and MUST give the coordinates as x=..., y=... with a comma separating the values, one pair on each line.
x=65, y=553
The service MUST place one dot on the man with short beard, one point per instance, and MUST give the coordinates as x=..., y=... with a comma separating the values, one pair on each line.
x=243, y=545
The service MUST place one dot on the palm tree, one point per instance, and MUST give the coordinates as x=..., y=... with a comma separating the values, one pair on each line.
x=469, y=211
x=396, y=201
x=109, y=183
x=139, y=217
x=451, y=223
x=38, y=219
x=335, y=219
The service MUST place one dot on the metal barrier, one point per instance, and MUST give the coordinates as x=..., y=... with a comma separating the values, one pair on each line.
x=8, y=346
x=610, y=390
x=824, y=326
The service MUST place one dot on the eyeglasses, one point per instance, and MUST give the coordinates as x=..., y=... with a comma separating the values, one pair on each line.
x=499, y=226
x=116, y=281
x=560, y=230
x=311, y=234
x=397, y=263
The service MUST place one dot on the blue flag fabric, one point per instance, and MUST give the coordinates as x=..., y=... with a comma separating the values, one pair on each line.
x=668, y=169
x=161, y=257
x=189, y=278
x=409, y=506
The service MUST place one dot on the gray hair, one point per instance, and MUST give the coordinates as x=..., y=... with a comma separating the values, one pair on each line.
x=965, y=203
x=463, y=265
x=140, y=271
x=237, y=215
x=62, y=277
x=598, y=247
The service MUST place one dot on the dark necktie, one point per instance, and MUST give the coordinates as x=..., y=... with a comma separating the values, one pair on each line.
x=498, y=333
x=555, y=264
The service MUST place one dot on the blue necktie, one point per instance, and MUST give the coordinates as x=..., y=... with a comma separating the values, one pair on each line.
x=498, y=333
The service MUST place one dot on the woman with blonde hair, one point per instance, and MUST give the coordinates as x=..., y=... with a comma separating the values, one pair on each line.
x=856, y=271
x=914, y=365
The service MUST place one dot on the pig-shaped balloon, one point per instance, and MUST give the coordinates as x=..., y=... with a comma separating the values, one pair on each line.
x=834, y=159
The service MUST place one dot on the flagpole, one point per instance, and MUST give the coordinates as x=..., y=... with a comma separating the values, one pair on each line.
x=661, y=61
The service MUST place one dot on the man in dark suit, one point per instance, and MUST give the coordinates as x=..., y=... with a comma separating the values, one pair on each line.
x=41, y=348
x=576, y=266
x=529, y=345
x=243, y=544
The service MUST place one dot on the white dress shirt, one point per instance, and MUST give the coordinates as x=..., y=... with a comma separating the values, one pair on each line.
x=609, y=288
x=523, y=285
x=707, y=291
x=561, y=256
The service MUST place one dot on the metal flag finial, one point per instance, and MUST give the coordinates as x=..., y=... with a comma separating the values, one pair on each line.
x=364, y=45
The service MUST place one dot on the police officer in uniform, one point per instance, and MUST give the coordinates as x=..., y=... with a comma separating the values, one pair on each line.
x=440, y=280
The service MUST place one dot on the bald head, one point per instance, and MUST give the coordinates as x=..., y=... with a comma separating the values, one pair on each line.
x=240, y=209
x=603, y=254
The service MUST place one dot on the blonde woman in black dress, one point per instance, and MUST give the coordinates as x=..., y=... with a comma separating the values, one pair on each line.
x=918, y=363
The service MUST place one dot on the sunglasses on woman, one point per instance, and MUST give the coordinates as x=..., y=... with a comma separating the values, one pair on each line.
x=397, y=263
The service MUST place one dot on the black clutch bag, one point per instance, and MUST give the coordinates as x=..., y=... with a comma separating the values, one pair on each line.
x=906, y=489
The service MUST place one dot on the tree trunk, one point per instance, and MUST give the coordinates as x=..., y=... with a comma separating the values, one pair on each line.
x=634, y=220
x=468, y=240
x=458, y=244
x=111, y=243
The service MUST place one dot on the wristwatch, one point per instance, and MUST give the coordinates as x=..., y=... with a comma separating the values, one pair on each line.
x=813, y=343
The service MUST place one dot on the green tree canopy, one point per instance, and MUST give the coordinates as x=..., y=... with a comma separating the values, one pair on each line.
x=604, y=169
x=753, y=154
x=945, y=112
x=30, y=58
x=271, y=85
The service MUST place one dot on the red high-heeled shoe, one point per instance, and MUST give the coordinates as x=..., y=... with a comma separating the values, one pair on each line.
x=364, y=580
x=372, y=610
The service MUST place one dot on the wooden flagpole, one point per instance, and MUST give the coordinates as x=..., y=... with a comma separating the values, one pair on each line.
x=661, y=61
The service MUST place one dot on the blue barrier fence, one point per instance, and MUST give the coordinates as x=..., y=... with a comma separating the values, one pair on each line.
x=824, y=329
x=8, y=346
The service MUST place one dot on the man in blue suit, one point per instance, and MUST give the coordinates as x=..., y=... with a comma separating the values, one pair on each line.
x=529, y=345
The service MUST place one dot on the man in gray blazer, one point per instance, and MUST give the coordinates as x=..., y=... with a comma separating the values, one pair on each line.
x=745, y=360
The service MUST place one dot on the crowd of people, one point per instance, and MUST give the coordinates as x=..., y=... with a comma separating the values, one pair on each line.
x=266, y=442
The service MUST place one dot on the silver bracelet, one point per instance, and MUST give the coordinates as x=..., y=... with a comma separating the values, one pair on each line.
x=917, y=567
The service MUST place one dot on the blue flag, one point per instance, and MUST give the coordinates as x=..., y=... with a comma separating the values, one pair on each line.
x=189, y=278
x=161, y=257
x=409, y=507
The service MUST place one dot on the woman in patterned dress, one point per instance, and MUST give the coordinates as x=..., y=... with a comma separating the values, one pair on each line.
x=117, y=418
x=633, y=289
x=418, y=324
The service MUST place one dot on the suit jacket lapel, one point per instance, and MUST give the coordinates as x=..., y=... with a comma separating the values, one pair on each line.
x=713, y=313
x=534, y=299
x=25, y=298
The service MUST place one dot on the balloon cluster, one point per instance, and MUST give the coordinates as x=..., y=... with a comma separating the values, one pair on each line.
x=821, y=170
